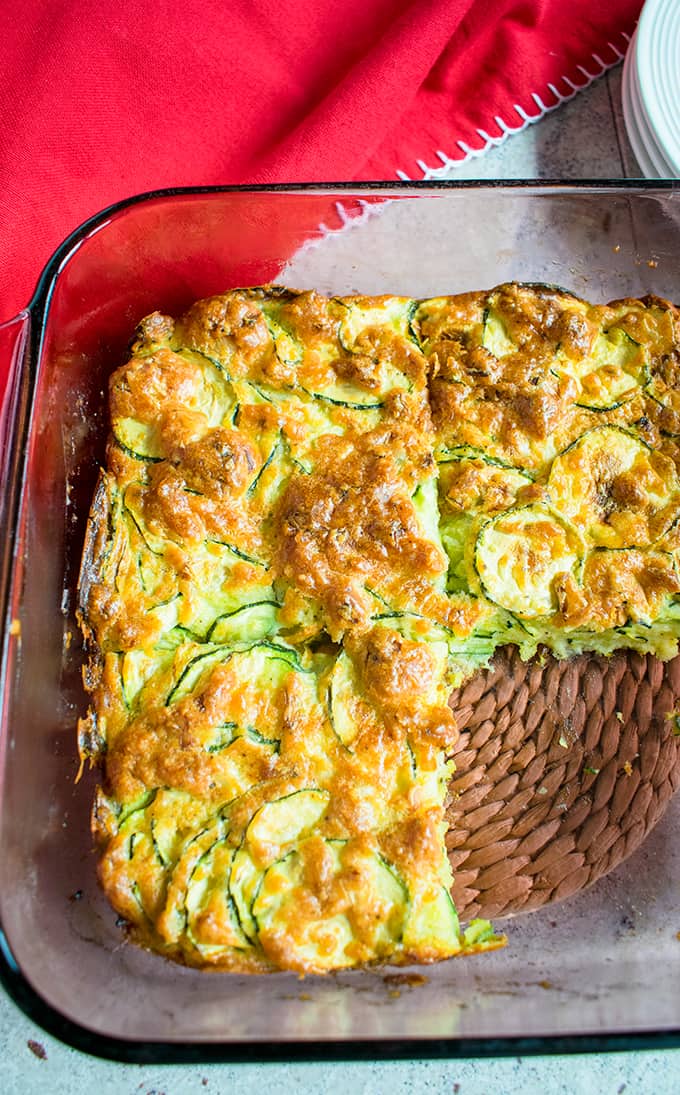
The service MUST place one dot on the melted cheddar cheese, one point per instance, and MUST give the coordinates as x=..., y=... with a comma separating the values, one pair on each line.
x=318, y=516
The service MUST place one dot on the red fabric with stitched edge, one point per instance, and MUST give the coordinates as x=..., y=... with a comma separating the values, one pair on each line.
x=101, y=104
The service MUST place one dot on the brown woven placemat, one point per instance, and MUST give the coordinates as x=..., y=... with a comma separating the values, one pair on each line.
x=562, y=768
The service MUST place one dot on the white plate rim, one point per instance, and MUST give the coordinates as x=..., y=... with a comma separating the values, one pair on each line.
x=658, y=32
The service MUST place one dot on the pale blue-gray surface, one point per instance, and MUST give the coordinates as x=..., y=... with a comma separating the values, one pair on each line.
x=585, y=138
x=64, y=1071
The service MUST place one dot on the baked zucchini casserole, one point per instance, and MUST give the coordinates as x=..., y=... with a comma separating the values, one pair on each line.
x=318, y=517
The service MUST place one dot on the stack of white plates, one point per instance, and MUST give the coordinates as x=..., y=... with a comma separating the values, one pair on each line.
x=651, y=90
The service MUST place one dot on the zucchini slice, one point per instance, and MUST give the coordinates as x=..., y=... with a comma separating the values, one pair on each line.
x=173, y=919
x=222, y=738
x=212, y=397
x=244, y=879
x=374, y=328
x=139, y=440
x=265, y=664
x=615, y=488
x=432, y=924
x=359, y=314
x=195, y=669
x=341, y=693
x=170, y=821
x=665, y=399
x=495, y=337
x=374, y=897
x=447, y=323
x=320, y=944
x=134, y=515
x=424, y=500
x=151, y=571
x=622, y=586
x=469, y=485
x=606, y=389
x=287, y=348
x=274, y=452
x=137, y=667
x=203, y=608
x=342, y=397
x=286, y=820
x=427, y=781
x=238, y=552
x=449, y=454
x=613, y=373
x=248, y=623
x=273, y=828
x=212, y=918
x=260, y=739
x=518, y=556
x=480, y=936
x=138, y=860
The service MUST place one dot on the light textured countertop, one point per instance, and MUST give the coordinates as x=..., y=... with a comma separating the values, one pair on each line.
x=584, y=138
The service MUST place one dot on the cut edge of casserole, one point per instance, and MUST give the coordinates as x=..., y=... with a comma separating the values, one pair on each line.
x=318, y=516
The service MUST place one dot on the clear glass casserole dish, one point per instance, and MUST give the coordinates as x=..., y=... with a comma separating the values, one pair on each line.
x=596, y=971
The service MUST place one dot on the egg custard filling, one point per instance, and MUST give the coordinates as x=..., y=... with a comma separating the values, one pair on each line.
x=318, y=516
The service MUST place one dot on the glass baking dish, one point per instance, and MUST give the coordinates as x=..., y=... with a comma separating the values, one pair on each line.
x=596, y=971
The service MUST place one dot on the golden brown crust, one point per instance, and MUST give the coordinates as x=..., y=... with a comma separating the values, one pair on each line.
x=351, y=523
x=617, y=586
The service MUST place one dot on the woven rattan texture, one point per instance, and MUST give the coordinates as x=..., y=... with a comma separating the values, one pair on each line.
x=562, y=768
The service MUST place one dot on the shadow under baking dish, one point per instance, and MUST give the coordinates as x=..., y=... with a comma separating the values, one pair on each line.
x=597, y=971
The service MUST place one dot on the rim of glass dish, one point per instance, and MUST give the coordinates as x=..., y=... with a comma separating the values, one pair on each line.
x=114, y=1048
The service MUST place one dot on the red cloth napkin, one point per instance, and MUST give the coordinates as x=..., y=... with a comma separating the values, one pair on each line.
x=99, y=102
